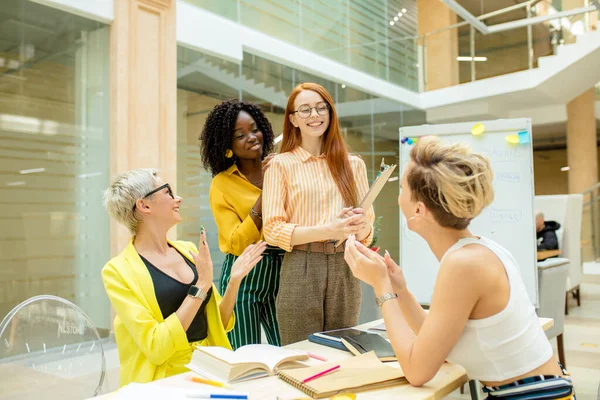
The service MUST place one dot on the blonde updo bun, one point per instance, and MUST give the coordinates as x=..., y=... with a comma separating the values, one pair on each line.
x=454, y=183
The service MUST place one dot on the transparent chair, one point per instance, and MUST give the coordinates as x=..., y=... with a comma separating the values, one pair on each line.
x=50, y=349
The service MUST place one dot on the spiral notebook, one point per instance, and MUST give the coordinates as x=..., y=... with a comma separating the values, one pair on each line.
x=356, y=374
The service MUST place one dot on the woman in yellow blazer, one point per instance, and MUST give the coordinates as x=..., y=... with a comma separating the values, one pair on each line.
x=162, y=290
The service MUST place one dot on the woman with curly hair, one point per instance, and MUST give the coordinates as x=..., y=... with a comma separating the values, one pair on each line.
x=310, y=193
x=235, y=141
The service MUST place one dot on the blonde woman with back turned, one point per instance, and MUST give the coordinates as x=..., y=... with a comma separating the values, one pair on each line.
x=480, y=315
x=162, y=290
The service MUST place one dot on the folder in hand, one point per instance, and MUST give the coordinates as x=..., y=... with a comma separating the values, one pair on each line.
x=385, y=171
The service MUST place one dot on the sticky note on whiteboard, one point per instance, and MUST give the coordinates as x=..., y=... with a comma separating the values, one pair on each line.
x=477, y=129
x=524, y=137
x=512, y=139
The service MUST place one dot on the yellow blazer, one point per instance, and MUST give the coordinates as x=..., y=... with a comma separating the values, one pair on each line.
x=151, y=347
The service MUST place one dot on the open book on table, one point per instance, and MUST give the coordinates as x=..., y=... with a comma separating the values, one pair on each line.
x=247, y=362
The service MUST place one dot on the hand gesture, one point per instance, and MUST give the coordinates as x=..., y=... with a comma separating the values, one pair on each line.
x=204, y=264
x=266, y=163
x=365, y=264
x=345, y=224
x=395, y=273
x=245, y=262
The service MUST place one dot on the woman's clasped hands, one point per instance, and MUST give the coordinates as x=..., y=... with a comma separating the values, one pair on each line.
x=349, y=221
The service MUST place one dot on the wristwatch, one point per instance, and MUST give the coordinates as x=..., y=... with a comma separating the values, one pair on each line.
x=387, y=296
x=197, y=293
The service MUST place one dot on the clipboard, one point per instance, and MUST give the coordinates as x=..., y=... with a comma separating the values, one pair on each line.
x=384, y=174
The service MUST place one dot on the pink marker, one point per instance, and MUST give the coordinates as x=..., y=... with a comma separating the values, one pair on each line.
x=320, y=374
x=317, y=357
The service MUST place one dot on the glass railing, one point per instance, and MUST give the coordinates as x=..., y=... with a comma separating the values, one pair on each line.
x=357, y=33
x=379, y=38
x=590, y=225
x=470, y=55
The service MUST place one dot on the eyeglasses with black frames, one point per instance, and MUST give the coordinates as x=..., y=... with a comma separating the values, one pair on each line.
x=158, y=189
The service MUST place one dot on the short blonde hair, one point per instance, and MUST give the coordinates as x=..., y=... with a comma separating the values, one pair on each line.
x=452, y=181
x=127, y=188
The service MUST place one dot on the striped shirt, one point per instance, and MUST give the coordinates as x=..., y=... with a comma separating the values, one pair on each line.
x=299, y=190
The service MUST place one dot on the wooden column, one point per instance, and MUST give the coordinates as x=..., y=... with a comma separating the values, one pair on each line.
x=143, y=79
x=582, y=150
x=441, y=48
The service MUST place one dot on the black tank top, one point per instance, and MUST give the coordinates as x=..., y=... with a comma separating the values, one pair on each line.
x=170, y=293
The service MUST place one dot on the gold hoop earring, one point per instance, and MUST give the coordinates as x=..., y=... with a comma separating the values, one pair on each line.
x=229, y=153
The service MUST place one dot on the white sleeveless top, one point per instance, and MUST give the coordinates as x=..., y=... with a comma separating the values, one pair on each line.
x=508, y=344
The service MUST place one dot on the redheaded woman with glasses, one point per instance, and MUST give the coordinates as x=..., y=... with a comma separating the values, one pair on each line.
x=310, y=193
x=162, y=290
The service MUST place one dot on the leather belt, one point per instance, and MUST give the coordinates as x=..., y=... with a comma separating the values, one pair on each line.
x=321, y=247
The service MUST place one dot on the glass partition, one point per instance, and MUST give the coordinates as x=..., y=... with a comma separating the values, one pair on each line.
x=54, y=159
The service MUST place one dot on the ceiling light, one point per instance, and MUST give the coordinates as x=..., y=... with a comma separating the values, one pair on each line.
x=564, y=169
x=279, y=138
x=395, y=18
x=31, y=171
x=399, y=14
x=343, y=86
x=463, y=58
x=19, y=183
x=404, y=10
x=391, y=22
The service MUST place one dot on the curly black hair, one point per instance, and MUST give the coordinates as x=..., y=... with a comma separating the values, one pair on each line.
x=215, y=138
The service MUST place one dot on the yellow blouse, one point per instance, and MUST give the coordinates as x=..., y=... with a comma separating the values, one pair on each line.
x=152, y=347
x=231, y=197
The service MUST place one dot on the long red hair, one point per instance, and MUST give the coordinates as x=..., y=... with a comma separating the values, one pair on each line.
x=334, y=147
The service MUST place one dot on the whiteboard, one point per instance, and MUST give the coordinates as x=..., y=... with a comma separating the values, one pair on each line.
x=509, y=220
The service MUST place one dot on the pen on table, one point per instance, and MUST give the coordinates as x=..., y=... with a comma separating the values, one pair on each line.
x=208, y=382
x=317, y=357
x=217, y=396
x=310, y=378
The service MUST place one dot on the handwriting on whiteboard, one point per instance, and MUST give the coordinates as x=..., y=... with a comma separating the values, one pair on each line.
x=507, y=216
x=505, y=153
x=513, y=177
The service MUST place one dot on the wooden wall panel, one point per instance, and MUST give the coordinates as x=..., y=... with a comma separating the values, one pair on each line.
x=143, y=93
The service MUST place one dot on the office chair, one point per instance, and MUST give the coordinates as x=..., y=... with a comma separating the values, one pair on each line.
x=50, y=349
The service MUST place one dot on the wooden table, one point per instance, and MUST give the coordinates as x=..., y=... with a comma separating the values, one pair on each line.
x=543, y=254
x=449, y=378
